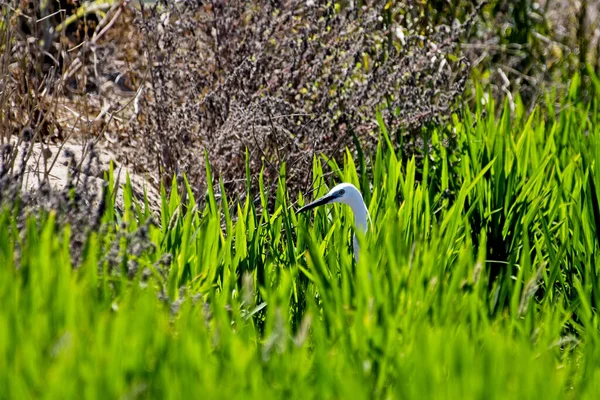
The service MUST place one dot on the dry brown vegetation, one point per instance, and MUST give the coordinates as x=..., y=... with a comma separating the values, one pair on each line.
x=286, y=81
x=263, y=83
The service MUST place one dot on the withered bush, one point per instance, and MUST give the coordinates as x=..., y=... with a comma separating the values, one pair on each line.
x=288, y=80
x=63, y=79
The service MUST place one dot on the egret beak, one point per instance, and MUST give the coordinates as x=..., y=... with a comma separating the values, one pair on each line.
x=319, y=202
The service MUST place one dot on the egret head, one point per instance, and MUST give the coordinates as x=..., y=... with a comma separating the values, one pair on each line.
x=344, y=193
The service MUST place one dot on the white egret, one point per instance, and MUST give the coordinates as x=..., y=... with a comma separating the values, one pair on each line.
x=346, y=193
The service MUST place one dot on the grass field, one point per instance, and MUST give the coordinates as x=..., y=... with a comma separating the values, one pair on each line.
x=479, y=278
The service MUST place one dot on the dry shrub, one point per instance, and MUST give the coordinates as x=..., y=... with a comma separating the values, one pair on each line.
x=65, y=81
x=287, y=80
x=66, y=84
x=59, y=84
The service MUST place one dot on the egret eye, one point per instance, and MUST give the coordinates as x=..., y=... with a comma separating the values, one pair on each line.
x=341, y=192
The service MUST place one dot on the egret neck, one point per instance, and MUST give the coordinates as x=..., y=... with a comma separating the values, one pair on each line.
x=346, y=193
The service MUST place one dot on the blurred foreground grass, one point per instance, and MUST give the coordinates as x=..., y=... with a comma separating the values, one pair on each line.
x=478, y=279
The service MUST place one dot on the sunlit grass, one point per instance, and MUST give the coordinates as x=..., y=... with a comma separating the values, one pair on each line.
x=478, y=279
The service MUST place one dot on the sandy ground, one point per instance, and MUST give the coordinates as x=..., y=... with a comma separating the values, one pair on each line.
x=55, y=159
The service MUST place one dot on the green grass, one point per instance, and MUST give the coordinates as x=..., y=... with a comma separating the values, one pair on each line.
x=479, y=279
